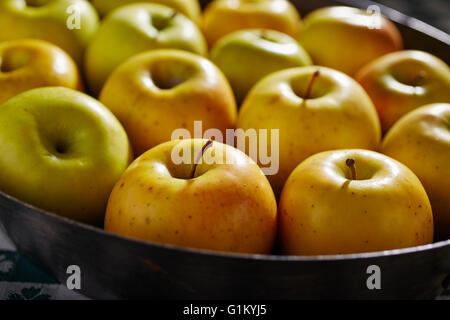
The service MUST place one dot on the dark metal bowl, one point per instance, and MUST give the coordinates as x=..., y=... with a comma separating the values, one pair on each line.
x=116, y=267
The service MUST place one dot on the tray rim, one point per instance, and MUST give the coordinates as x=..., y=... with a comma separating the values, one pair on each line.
x=401, y=19
x=221, y=254
x=393, y=15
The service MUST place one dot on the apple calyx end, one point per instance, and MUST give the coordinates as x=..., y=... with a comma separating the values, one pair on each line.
x=205, y=147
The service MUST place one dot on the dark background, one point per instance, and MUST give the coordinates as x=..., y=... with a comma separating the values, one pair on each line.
x=433, y=12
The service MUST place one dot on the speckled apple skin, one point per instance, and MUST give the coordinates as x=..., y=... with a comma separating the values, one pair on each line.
x=35, y=64
x=389, y=79
x=222, y=17
x=338, y=115
x=151, y=114
x=225, y=207
x=421, y=141
x=322, y=211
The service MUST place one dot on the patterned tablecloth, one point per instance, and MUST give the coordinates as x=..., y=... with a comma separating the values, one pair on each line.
x=21, y=280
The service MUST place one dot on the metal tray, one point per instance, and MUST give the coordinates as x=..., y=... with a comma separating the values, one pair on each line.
x=116, y=267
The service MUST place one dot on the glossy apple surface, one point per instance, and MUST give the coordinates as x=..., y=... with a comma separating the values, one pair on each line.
x=345, y=38
x=338, y=114
x=222, y=17
x=246, y=56
x=402, y=81
x=133, y=29
x=421, y=141
x=62, y=151
x=29, y=63
x=49, y=20
x=226, y=206
x=157, y=92
x=324, y=210
x=190, y=8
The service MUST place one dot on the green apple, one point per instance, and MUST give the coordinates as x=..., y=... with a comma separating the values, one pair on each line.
x=246, y=56
x=402, y=81
x=345, y=38
x=30, y=63
x=222, y=17
x=133, y=29
x=62, y=151
x=190, y=8
x=222, y=202
x=353, y=201
x=70, y=24
x=421, y=140
x=159, y=91
x=315, y=109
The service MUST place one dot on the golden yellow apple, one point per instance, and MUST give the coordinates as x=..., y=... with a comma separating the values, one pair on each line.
x=315, y=109
x=225, y=203
x=352, y=201
x=222, y=17
x=421, y=141
x=401, y=81
x=27, y=64
x=345, y=38
x=159, y=91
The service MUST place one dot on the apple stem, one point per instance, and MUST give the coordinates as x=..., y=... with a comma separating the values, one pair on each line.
x=310, y=83
x=173, y=15
x=418, y=78
x=160, y=25
x=351, y=164
x=263, y=35
x=207, y=145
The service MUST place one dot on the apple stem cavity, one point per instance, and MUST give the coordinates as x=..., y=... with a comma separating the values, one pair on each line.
x=419, y=78
x=350, y=162
x=206, y=146
x=163, y=23
x=310, y=84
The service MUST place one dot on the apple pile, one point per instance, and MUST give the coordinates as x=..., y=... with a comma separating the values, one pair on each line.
x=93, y=92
